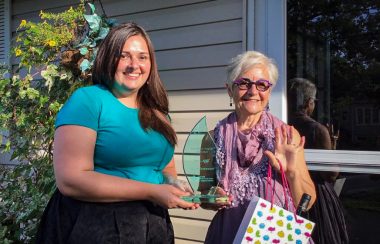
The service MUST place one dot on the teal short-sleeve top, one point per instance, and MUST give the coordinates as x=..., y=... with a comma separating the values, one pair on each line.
x=123, y=148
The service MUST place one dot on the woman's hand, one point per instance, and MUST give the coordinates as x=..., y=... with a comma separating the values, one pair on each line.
x=219, y=204
x=288, y=150
x=169, y=196
x=180, y=184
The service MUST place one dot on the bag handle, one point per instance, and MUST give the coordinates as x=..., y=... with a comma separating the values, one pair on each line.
x=285, y=187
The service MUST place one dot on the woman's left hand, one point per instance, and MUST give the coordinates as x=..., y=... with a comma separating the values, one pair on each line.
x=290, y=154
x=180, y=184
x=288, y=149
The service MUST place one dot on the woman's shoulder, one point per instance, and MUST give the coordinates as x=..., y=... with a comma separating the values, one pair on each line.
x=83, y=107
x=92, y=90
x=87, y=97
x=228, y=119
x=90, y=94
x=274, y=120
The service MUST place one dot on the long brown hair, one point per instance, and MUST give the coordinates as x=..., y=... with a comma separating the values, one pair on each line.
x=151, y=97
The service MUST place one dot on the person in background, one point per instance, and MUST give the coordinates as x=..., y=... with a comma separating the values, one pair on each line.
x=113, y=152
x=327, y=212
x=249, y=139
x=301, y=104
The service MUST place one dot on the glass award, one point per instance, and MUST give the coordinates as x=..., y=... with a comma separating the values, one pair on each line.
x=198, y=165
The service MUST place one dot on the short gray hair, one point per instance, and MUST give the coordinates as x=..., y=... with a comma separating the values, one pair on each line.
x=300, y=91
x=245, y=61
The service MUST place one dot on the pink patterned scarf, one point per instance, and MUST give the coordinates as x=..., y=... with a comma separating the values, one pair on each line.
x=240, y=156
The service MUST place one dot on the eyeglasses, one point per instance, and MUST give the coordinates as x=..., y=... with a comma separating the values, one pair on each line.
x=245, y=84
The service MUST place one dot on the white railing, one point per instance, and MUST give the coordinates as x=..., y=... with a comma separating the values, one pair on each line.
x=343, y=161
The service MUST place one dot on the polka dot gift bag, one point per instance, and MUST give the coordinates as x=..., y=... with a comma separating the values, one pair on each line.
x=265, y=222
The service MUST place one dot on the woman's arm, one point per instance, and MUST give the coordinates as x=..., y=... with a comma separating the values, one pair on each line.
x=171, y=178
x=291, y=154
x=75, y=176
x=323, y=141
x=170, y=169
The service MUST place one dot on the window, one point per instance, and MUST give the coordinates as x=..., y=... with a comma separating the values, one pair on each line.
x=335, y=45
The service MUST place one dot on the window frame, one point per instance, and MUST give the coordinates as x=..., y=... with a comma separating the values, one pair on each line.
x=266, y=31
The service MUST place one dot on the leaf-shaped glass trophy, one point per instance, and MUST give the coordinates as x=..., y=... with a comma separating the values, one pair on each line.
x=198, y=165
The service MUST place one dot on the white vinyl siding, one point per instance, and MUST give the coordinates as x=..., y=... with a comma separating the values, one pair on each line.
x=5, y=37
x=4, y=31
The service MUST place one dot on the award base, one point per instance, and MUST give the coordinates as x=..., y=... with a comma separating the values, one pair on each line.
x=206, y=199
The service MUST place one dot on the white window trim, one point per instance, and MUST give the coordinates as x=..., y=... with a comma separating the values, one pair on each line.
x=265, y=31
x=344, y=161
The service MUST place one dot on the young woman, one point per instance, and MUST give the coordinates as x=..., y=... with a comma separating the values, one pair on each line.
x=113, y=152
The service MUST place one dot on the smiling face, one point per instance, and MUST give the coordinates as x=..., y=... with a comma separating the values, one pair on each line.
x=133, y=68
x=251, y=102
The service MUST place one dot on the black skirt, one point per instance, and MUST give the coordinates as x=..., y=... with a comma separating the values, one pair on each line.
x=328, y=215
x=67, y=220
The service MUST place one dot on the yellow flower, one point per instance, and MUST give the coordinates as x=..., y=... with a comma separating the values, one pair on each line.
x=23, y=23
x=18, y=52
x=52, y=43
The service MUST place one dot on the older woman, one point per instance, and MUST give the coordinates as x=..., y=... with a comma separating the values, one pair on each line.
x=250, y=138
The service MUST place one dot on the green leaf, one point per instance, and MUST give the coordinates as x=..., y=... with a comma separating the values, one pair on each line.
x=92, y=7
x=85, y=65
x=85, y=42
x=55, y=106
x=22, y=93
x=111, y=22
x=102, y=33
x=49, y=74
x=83, y=50
x=7, y=147
x=93, y=22
x=43, y=100
x=93, y=44
x=66, y=76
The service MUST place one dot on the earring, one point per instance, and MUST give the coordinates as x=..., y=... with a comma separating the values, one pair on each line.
x=267, y=107
x=230, y=101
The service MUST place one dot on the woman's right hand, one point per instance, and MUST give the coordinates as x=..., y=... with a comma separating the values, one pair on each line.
x=169, y=196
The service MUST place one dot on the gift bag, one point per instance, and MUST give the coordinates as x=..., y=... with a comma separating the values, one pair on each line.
x=265, y=222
